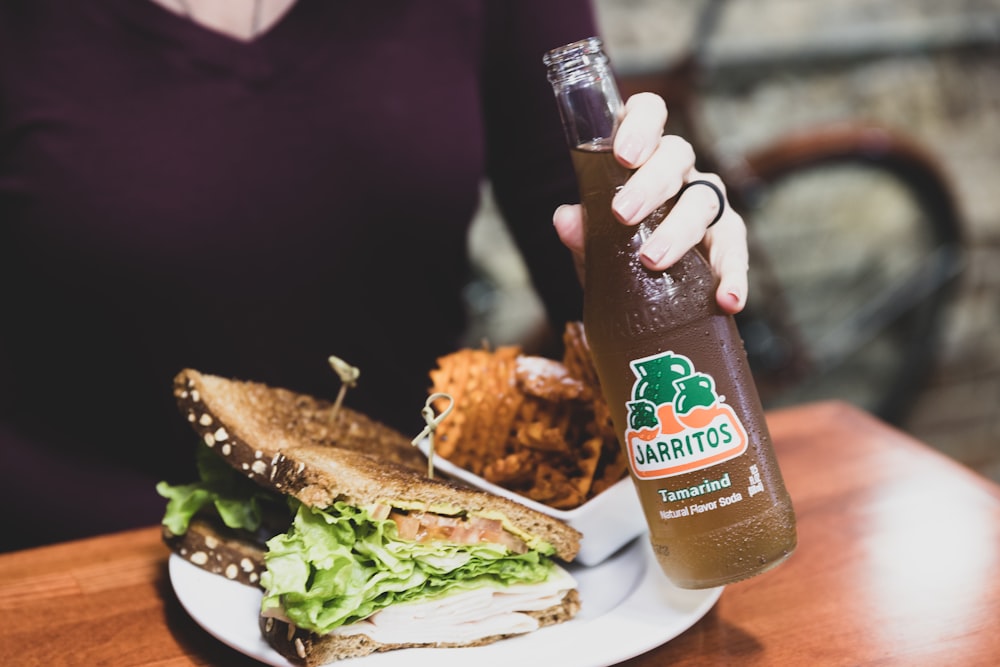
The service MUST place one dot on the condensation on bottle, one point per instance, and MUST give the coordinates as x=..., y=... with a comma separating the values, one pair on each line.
x=671, y=365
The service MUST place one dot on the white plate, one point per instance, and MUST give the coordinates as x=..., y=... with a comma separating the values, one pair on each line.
x=629, y=607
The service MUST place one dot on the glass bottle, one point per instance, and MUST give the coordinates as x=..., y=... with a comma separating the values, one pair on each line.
x=671, y=365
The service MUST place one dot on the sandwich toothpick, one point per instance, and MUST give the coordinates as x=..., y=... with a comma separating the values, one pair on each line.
x=348, y=378
x=432, y=424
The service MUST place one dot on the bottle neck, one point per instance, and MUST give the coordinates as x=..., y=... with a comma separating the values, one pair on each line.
x=591, y=108
x=586, y=93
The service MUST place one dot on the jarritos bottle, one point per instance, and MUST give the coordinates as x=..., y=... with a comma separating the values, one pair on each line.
x=671, y=365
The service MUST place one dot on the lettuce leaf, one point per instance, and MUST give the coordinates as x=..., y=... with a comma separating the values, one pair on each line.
x=239, y=501
x=339, y=566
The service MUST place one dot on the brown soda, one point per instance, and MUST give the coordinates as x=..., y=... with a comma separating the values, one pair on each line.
x=674, y=372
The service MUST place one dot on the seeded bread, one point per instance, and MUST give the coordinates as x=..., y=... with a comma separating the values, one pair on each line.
x=293, y=444
x=272, y=420
x=211, y=546
x=310, y=649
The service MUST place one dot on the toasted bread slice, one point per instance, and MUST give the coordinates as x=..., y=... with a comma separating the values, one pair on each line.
x=310, y=649
x=274, y=420
x=295, y=445
x=211, y=546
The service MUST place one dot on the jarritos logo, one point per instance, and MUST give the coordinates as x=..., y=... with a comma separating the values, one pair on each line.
x=676, y=421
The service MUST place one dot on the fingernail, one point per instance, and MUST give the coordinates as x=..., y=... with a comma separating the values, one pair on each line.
x=736, y=296
x=653, y=253
x=626, y=206
x=628, y=151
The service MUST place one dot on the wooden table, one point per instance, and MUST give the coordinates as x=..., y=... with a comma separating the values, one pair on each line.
x=898, y=564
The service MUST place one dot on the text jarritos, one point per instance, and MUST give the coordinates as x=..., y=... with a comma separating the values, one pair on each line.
x=677, y=423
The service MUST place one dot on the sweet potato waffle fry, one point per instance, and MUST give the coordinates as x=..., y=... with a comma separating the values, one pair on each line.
x=536, y=426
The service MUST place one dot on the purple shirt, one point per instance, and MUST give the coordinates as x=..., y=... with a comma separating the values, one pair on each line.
x=171, y=197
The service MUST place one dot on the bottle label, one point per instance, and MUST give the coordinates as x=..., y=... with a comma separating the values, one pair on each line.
x=677, y=423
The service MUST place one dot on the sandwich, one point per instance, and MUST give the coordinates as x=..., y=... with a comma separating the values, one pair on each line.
x=355, y=549
x=223, y=521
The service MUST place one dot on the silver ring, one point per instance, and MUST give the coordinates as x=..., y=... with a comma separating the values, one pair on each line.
x=718, y=193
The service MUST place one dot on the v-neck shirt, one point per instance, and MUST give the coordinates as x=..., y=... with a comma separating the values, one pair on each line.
x=171, y=196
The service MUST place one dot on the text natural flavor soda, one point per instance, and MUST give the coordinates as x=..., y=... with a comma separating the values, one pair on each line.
x=671, y=365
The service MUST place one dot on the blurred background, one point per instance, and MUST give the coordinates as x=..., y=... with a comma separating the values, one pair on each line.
x=926, y=69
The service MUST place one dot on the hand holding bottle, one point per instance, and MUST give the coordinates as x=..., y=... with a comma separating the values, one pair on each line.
x=669, y=358
x=664, y=164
